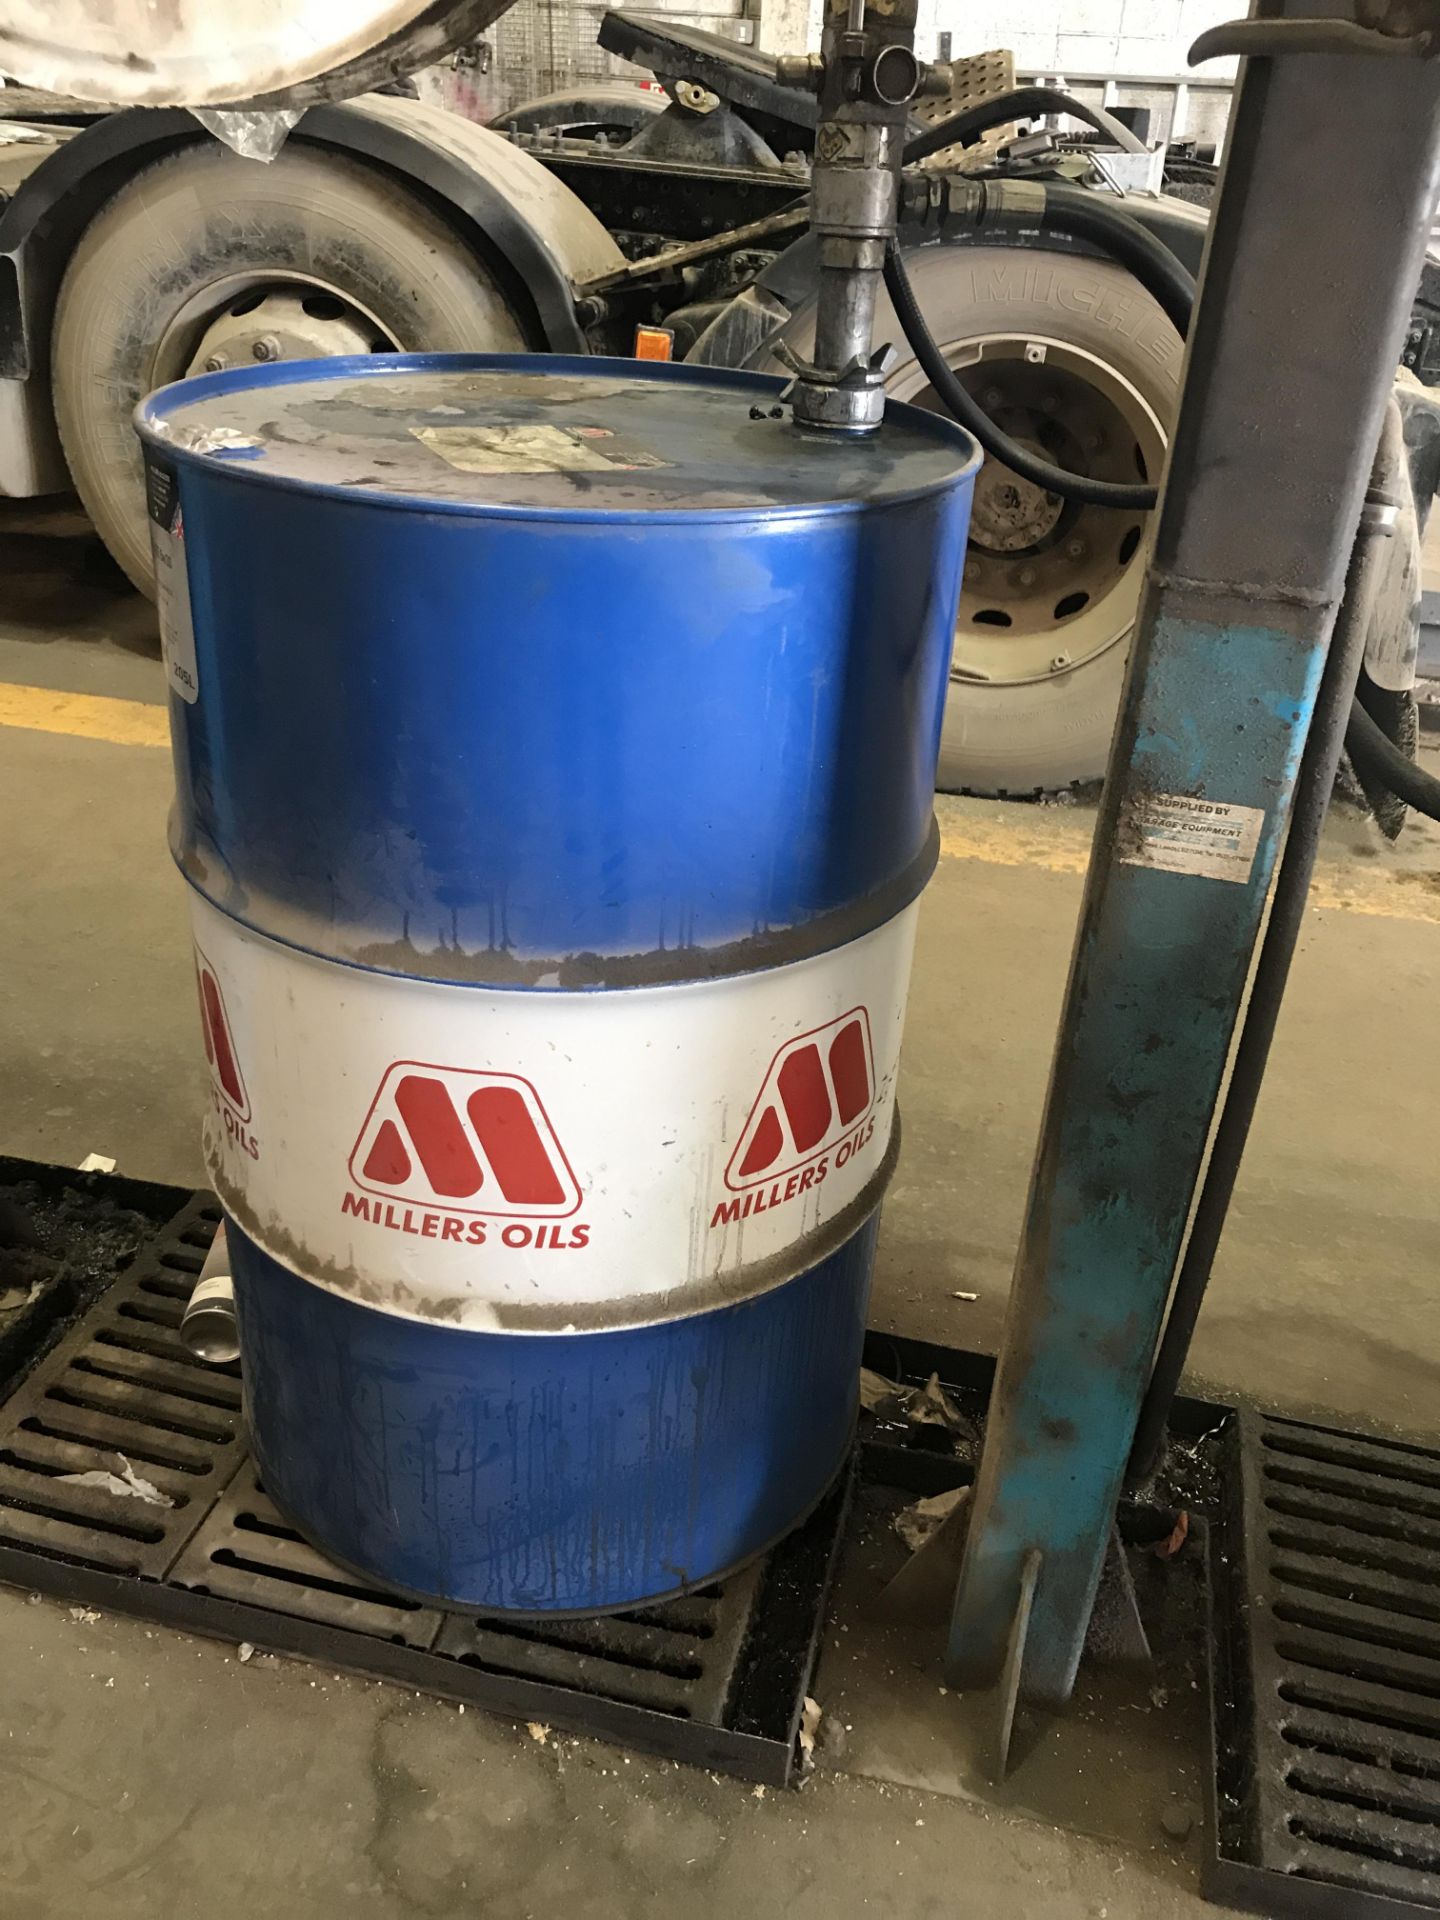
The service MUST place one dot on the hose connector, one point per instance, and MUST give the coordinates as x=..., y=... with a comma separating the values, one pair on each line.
x=949, y=205
x=866, y=78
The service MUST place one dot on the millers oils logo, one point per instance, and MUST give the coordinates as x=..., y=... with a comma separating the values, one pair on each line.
x=813, y=1113
x=445, y=1152
x=227, y=1083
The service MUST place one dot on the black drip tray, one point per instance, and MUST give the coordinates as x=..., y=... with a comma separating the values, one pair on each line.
x=717, y=1678
x=1327, y=1678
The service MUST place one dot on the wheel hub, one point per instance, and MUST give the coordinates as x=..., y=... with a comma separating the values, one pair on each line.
x=1049, y=583
x=251, y=318
x=1009, y=514
x=284, y=324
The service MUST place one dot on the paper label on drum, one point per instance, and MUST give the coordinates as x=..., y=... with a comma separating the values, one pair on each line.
x=544, y=1161
x=220, y=1287
x=172, y=580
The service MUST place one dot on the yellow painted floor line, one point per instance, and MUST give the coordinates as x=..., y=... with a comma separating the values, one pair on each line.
x=88, y=716
x=1396, y=893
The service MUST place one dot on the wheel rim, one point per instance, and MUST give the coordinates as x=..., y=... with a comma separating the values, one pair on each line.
x=1049, y=584
x=251, y=318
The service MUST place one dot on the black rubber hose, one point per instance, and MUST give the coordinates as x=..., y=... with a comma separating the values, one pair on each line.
x=1315, y=781
x=1085, y=215
x=1376, y=755
x=972, y=416
x=965, y=128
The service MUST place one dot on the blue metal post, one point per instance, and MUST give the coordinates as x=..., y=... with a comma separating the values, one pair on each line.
x=1313, y=257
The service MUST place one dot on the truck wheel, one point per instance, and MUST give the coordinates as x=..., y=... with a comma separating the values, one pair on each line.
x=1074, y=359
x=204, y=260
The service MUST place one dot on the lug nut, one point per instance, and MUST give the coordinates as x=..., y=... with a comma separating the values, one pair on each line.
x=267, y=347
x=1075, y=549
x=215, y=363
x=1026, y=576
x=1060, y=661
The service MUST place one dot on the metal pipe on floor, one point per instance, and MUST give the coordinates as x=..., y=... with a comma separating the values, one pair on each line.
x=207, y=1325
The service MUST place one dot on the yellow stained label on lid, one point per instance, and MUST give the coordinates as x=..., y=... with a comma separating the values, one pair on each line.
x=532, y=449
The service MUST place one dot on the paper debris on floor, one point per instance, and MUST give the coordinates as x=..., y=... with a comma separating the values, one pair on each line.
x=97, y=1163
x=876, y=1392
x=921, y=1522
x=13, y=1297
x=927, y=1406
x=931, y=1406
x=127, y=1483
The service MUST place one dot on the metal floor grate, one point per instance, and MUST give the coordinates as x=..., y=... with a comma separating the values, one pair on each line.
x=1328, y=1695
x=718, y=1677
x=680, y=1657
x=246, y=1551
x=65, y=1235
x=122, y=1387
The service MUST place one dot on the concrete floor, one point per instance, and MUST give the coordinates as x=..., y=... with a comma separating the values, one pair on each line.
x=147, y=1774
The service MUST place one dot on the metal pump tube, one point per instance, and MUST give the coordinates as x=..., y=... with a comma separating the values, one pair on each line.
x=866, y=75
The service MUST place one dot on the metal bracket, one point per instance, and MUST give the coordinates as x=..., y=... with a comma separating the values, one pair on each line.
x=1265, y=39
x=1127, y=173
x=1116, y=1636
x=1011, y=1677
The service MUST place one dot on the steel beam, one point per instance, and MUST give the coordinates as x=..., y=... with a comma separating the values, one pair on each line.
x=1330, y=179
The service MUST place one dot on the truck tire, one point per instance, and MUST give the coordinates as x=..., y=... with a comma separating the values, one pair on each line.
x=207, y=259
x=1046, y=725
x=1071, y=355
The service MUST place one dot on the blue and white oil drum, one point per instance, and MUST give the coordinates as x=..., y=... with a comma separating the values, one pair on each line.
x=554, y=745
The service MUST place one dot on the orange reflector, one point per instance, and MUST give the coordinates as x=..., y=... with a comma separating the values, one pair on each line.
x=653, y=343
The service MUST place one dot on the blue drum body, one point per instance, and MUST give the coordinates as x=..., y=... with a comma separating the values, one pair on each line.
x=554, y=745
